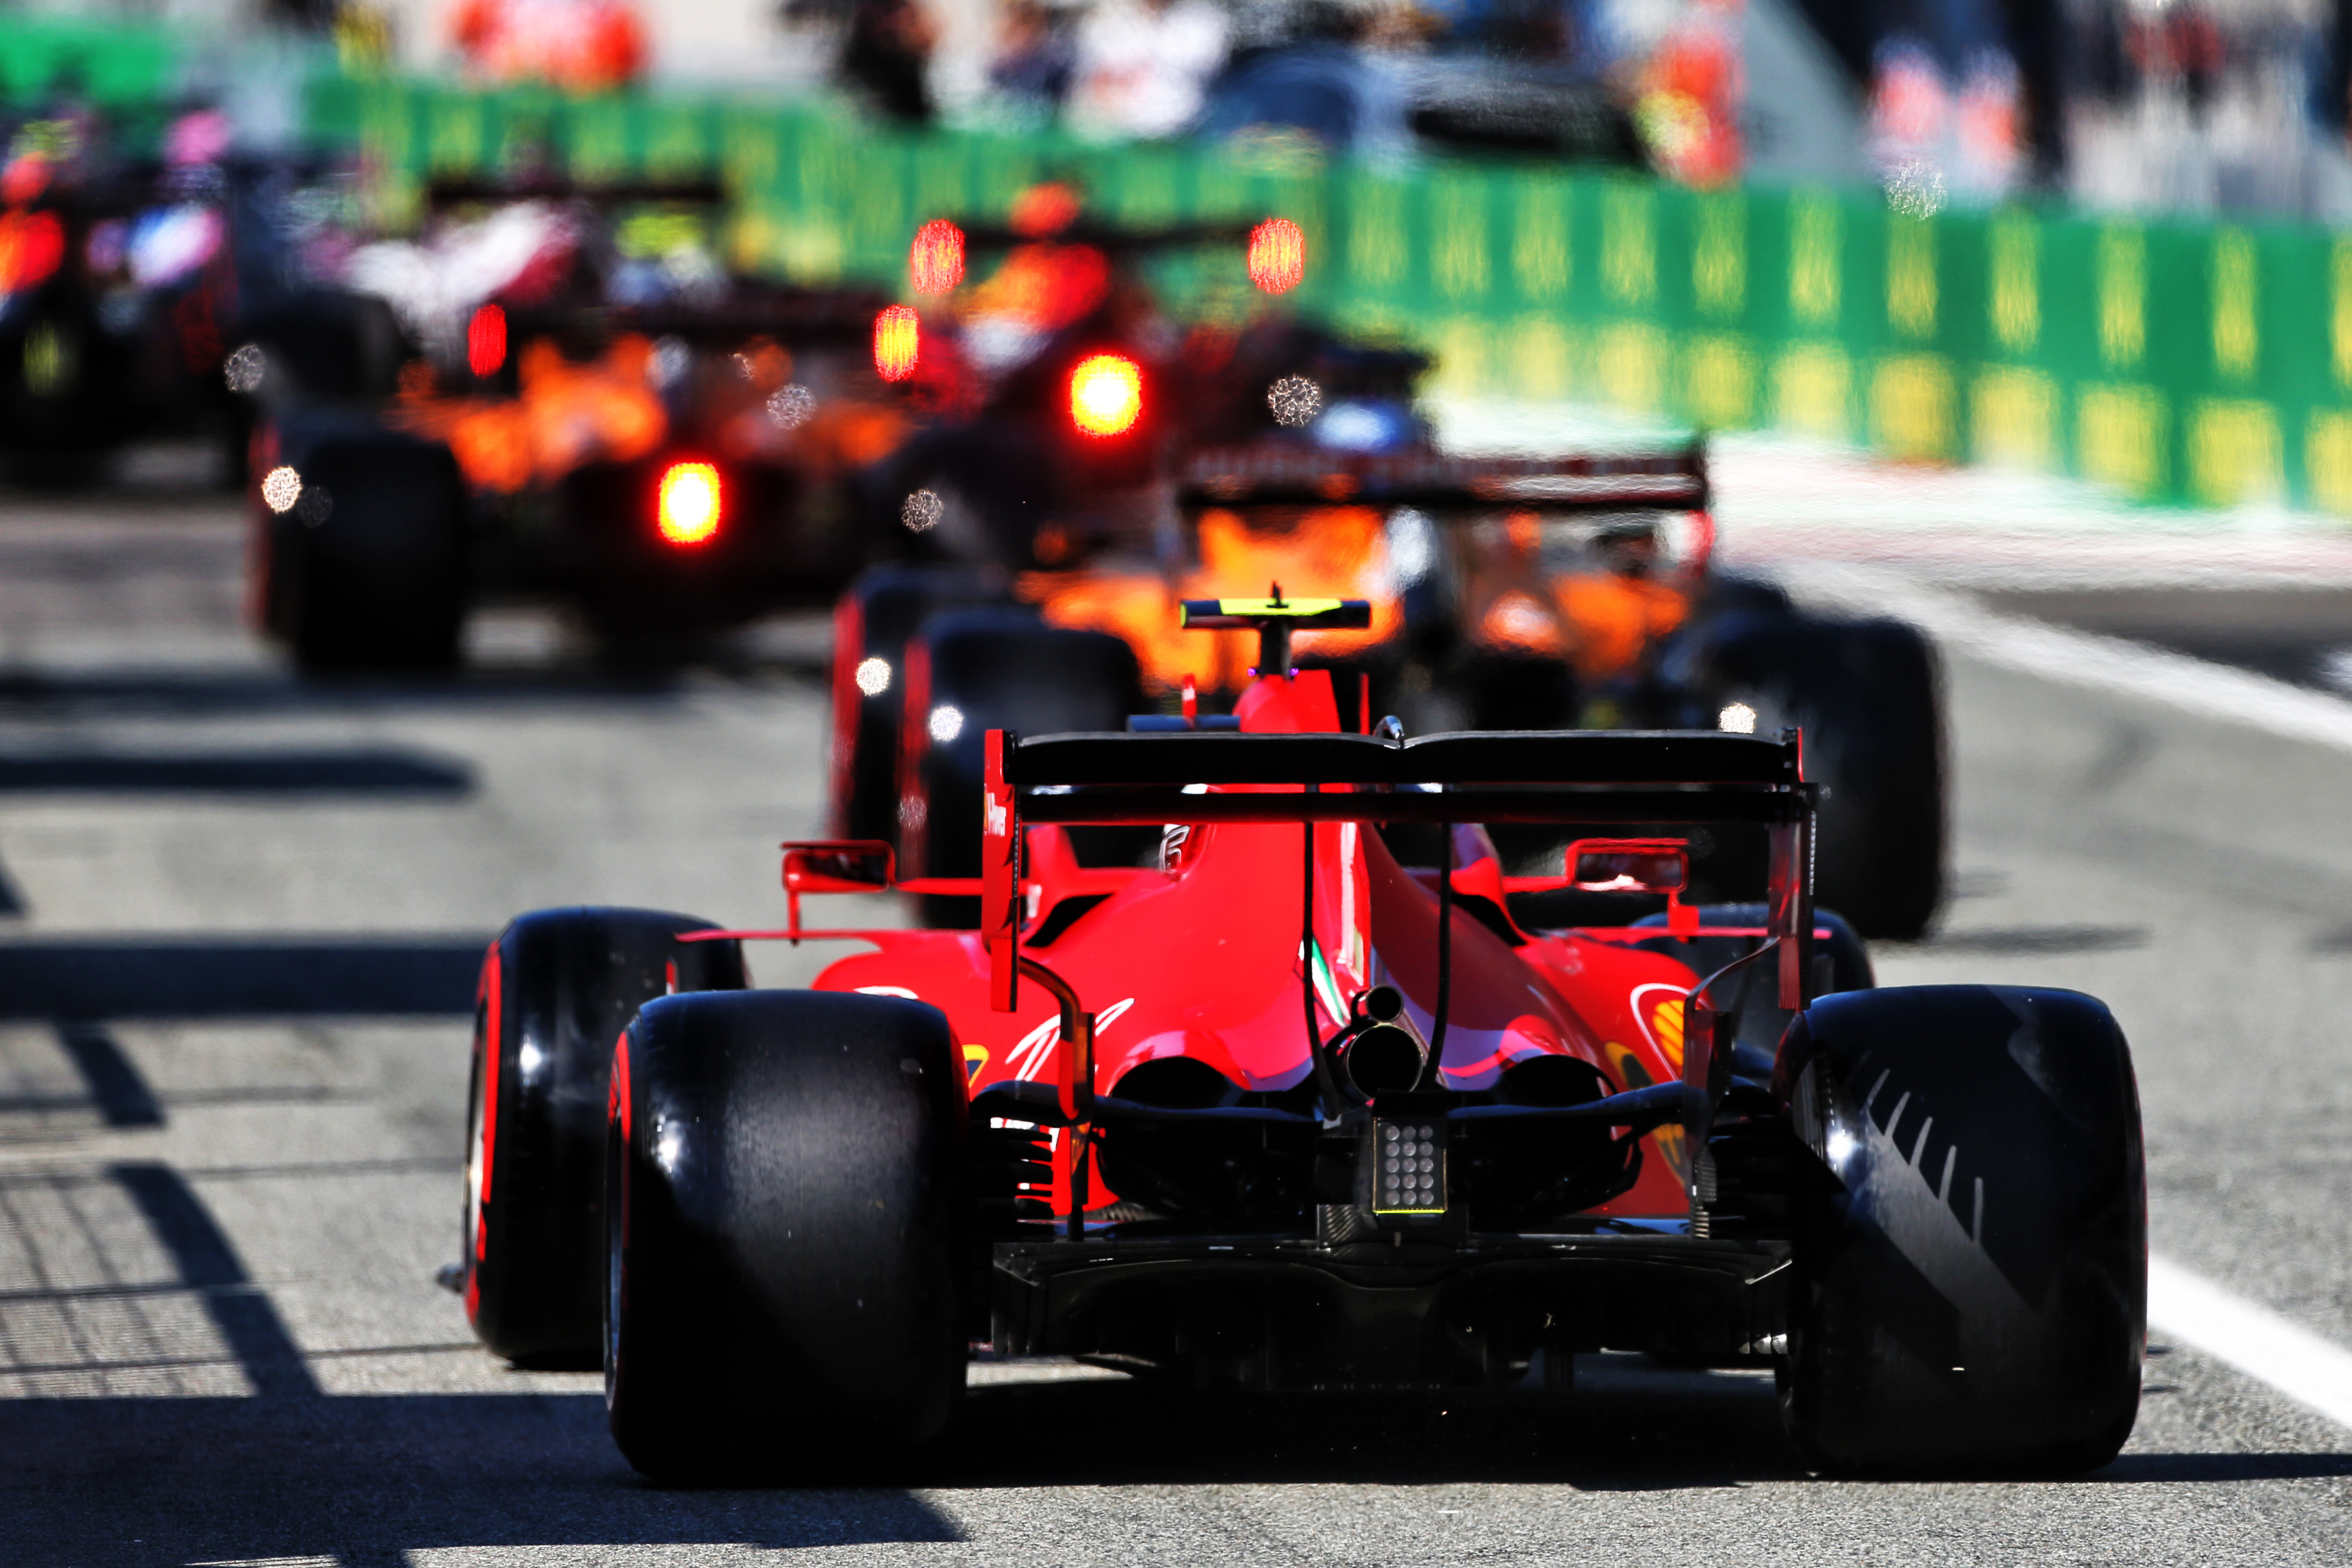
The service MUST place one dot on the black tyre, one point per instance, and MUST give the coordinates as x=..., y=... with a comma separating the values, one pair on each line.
x=871, y=626
x=367, y=568
x=786, y=1224
x=971, y=671
x=557, y=989
x=1869, y=700
x=1971, y=1236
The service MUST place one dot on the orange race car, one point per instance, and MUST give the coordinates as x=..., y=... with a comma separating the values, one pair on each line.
x=586, y=403
x=1503, y=594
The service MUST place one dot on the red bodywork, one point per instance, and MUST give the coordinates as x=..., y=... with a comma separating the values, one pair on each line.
x=1203, y=958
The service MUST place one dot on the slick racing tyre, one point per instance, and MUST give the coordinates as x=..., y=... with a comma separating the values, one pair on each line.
x=557, y=989
x=971, y=671
x=871, y=626
x=1868, y=699
x=365, y=548
x=1971, y=1257
x=786, y=1222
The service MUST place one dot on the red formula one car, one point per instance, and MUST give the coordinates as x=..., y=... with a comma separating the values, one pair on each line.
x=1287, y=1109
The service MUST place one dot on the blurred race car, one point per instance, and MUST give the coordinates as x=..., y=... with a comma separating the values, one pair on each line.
x=1506, y=594
x=119, y=279
x=585, y=404
x=1058, y=390
x=1294, y=1108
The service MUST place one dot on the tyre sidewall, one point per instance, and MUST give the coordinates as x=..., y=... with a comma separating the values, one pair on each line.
x=788, y=1226
x=557, y=988
x=1971, y=1234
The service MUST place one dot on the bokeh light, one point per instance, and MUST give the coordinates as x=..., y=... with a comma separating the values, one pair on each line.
x=1278, y=256
x=687, y=511
x=898, y=341
x=1106, y=394
x=935, y=262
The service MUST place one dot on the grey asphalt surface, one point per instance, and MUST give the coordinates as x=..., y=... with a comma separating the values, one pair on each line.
x=2298, y=634
x=237, y=933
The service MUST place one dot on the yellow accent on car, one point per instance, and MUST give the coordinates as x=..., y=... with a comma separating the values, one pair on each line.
x=1258, y=608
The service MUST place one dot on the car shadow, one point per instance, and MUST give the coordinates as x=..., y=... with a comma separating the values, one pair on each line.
x=193, y=1481
x=90, y=979
x=349, y=771
x=240, y=692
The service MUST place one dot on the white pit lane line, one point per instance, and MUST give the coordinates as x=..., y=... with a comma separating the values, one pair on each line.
x=2075, y=658
x=2257, y=1342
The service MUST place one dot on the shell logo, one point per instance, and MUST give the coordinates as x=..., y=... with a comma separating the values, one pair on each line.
x=1666, y=1028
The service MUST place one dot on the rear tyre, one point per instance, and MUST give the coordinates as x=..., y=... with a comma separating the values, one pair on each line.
x=1868, y=699
x=368, y=569
x=971, y=671
x=872, y=624
x=1971, y=1280
x=557, y=989
x=785, y=1219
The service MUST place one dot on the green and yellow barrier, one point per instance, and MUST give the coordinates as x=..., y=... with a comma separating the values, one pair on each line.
x=2181, y=361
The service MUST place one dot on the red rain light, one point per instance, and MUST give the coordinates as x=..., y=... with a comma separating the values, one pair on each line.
x=486, y=341
x=31, y=247
x=687, y=511
x=897, y=343
x=1278, y=256
x=1106, y=394
x=935, y=262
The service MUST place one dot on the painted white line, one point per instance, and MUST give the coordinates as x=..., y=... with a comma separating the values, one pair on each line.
x=2073, y=657
x=2261, y=1344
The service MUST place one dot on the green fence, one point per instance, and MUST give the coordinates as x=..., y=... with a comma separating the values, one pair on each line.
x=2181, y=361
x=120, y=64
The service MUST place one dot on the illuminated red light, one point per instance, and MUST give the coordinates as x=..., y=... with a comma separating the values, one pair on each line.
x=687, y=510
x=486, y=341
x=1106, y=394
x=1278, y=255
x=897, y=343
x=31, y=247
x=935, y=262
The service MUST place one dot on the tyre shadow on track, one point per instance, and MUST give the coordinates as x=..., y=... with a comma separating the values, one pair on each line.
x=367, y=1479
x=1114, y=1434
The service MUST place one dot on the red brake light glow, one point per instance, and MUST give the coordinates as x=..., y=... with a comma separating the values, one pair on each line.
x=31, y=247
x=897, y=343
x=935, y=262
x=1278, y=256
x=1106, y=394
x=686, y=509
x=486, y=341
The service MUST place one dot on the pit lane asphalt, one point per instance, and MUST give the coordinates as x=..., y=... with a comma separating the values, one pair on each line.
x=240, y=922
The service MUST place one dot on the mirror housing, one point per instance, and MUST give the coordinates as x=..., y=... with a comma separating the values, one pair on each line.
x=1629, y=866
x=838, y=865
x=1637, y=866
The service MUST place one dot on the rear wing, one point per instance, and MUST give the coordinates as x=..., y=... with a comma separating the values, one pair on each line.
x=1668, y=778
x=1269, y=473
